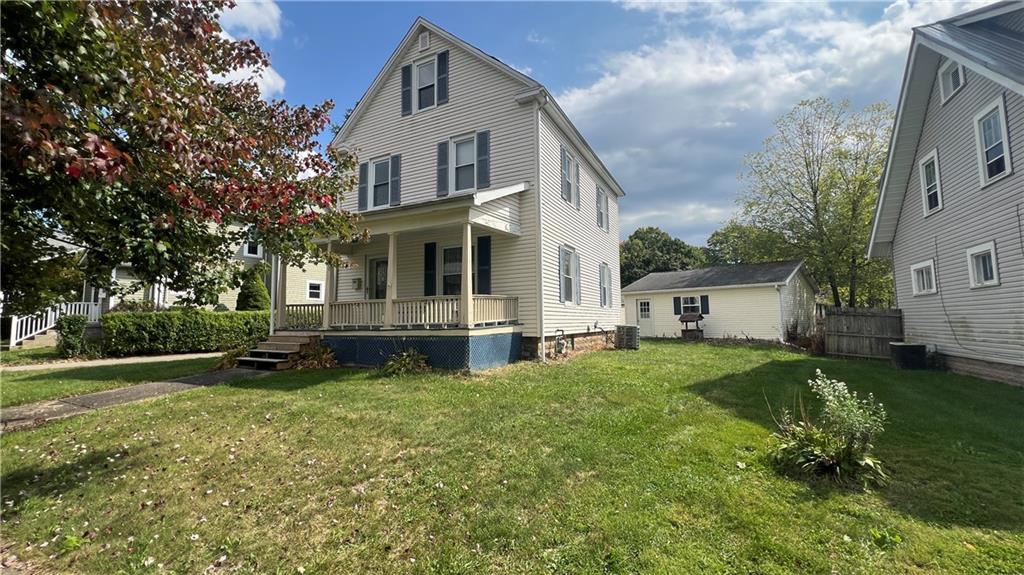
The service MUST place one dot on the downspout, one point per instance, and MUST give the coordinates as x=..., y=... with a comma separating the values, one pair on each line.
x=538, y=104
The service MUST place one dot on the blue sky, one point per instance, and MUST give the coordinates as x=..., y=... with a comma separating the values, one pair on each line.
x=671, y=95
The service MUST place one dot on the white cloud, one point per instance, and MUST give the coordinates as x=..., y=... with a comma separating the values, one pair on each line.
x=521, y=69
x=253, y=19
x=535, y=37
x=269, y=81
x=673, y=119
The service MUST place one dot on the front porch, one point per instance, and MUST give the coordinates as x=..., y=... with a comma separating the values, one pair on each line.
x=436, y=312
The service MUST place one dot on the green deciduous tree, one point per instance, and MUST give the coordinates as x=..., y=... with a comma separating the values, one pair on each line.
x=650, y=249
x=815, y=184
x=122, y=132
x=739, y=243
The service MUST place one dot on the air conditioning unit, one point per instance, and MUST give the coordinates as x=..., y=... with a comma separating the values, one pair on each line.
x=627, y=337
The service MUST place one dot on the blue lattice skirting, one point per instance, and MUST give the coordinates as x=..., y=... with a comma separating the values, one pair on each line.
x=461, y=349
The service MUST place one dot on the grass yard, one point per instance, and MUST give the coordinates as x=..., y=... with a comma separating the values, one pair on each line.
x=620, y=462
x=53, y=382
x=27, y=356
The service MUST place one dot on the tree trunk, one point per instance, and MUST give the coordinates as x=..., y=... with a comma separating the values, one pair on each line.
x=853, y=282
x=833, y=283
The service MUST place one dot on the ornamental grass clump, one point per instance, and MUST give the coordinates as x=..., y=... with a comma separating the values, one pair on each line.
x=837, y=445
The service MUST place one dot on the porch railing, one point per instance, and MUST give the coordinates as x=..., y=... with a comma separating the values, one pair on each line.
x=437, y=310
x=495, y=309
x=24, y=327
x=304, y=315
x=357, y=313
x=89, y=309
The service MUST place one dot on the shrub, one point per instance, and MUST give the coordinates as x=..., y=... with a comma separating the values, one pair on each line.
x=220, y=307
x=406, y=362
x=134, y=305
x=253, y=295
x=181, y=331
x=71, y=335
x=320, y=357
x=230, y=358
x=839, y=445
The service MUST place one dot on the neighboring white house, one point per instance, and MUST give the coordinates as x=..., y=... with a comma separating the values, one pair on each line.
x=952, y=199
x=494, y=225
x=758, y=301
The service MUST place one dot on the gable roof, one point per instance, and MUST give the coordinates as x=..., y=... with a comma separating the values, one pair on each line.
x=532, y=90
x=766, y=274
x=975, y=41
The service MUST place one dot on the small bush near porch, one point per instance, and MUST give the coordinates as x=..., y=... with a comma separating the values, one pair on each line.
x=652, y=461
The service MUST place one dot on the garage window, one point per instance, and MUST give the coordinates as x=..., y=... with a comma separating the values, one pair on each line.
x=645, y=310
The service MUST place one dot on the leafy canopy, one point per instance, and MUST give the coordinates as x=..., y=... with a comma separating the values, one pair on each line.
x=651, y=249
x=122, y=134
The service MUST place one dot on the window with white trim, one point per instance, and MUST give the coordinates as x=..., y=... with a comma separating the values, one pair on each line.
x=315, y=290
x=951, y=79
x=252, y=250
x=569, y=274
x=922, y=277
x=602, y=209
x=380, y=182
x=983, y=266
x=463, y=154
x=605, y=283
x=425, y=81
x=645, y=309
x=990, y=133
x=570, y=187
x=931, y=190
x=451, y=270
x=690, y=304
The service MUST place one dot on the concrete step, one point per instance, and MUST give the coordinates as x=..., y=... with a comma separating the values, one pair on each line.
x=264, y=363
x=45, y=339
x=292, y=347
x=300, y=339
x=273, y=354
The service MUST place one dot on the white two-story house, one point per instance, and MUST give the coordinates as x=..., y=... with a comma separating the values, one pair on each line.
x=951, y=206
x=494, y=225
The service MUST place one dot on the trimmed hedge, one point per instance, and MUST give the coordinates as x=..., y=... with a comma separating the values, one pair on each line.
x=139, y=333
x=71, y=335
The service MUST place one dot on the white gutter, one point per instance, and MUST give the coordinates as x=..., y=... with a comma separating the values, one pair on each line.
x=703, y=288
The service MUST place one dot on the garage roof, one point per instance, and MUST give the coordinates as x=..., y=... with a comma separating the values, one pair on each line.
x=771, y=273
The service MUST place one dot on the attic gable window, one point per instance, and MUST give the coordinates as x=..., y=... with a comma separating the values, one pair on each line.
x=426, y=86
x=425, y=83
x=990, y=134
x=951, y=79
x=931, y=191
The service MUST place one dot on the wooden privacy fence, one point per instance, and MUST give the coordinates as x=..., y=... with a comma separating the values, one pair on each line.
x=861, y=332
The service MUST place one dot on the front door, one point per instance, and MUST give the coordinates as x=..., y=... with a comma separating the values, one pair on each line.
x=378, y=279
x=645, y=317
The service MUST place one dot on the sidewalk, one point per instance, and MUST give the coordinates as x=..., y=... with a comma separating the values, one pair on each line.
x=109, y=361
x=35, y=414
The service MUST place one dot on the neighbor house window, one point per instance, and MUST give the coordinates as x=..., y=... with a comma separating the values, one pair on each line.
x=645, y=309
x=922, y=276
x=252, y=250
x=690, y=304
x=570, y=177
x=380, y=182
x=426, y=84
x=315, y=290
x=983, y=266
x=930, y=188
x=569, y=274
x=605, y=282
x=951, y=79
x=602, y=209
x=990, y=133
x=464, y=174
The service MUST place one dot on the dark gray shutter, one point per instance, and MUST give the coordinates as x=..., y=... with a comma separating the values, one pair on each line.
x=442, y=77
x=364, y=176
x=562, y=255
x=429, y=269
x=483, y=265
x=677, y=305
x=576, y=277
x=442, y=169
x=396, y=180
x=483, y=159
x=566, y=186
x=407, y=89
x=705, y=305
x=576, y=187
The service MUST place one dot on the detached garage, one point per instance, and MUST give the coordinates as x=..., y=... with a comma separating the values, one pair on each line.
x=758, y=301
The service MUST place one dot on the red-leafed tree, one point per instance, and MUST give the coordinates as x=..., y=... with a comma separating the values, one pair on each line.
x=121, y=134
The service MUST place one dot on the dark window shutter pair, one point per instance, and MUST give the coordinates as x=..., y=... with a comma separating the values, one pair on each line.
x=576, y=187
x=483, y=265
x=364, y=178
x=442, y=78
x=407, y=89
x=483, y=163
x=430, y=269
x=677, y=305
x=705, y=307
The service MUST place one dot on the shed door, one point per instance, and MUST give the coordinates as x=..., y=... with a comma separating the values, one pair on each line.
x=645, y=317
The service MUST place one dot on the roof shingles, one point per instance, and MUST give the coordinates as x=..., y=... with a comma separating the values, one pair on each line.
x=720, y=276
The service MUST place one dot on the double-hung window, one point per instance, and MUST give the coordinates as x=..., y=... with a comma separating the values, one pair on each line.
x=990, y=133
x=602, y=209
x=922, y=277
x=426, y=84
x=605, y=283
x=315, y=290
x=983, y=266
x=570, y=178
x=380, y=182
x=951, y=79
x=252, y=250
x=569, y=275
x=931, y=191
x=464, y=174
x=690, y=304
x=451, y=270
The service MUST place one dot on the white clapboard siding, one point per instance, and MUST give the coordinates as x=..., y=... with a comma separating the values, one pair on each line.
x=985, y=323
x=743, y=312
x=798, y=304
x=563, y=224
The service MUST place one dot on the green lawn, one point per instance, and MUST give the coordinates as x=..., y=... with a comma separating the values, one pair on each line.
x=52, y=382
x=27, y=356
x=621, y=462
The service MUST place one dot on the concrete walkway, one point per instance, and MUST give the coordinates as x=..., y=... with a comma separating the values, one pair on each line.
x=39, y=413
x=109, y=361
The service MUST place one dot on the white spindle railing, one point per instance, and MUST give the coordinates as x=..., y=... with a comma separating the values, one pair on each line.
x=495, y=309
x=356, y=313
x=304, y=315
x=89, y=309
x=437, y=310
x=24, y=327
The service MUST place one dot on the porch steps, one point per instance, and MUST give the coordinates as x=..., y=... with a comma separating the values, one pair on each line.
x=278, y=352
x=47, y=338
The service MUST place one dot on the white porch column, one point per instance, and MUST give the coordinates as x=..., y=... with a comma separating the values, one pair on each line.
x=466, y=303
x=282, y=294
x=392, y=287
x=330, y=291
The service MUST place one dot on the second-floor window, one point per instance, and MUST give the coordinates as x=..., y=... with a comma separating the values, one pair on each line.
x=380, y=182
x=570, y=178
x=426, y=84
x=990, y=132
x=602, y=209
x=252, y=250
x=465, y=163
x=930, y=189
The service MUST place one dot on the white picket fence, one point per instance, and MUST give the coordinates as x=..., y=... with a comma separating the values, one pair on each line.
x=24, y=327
